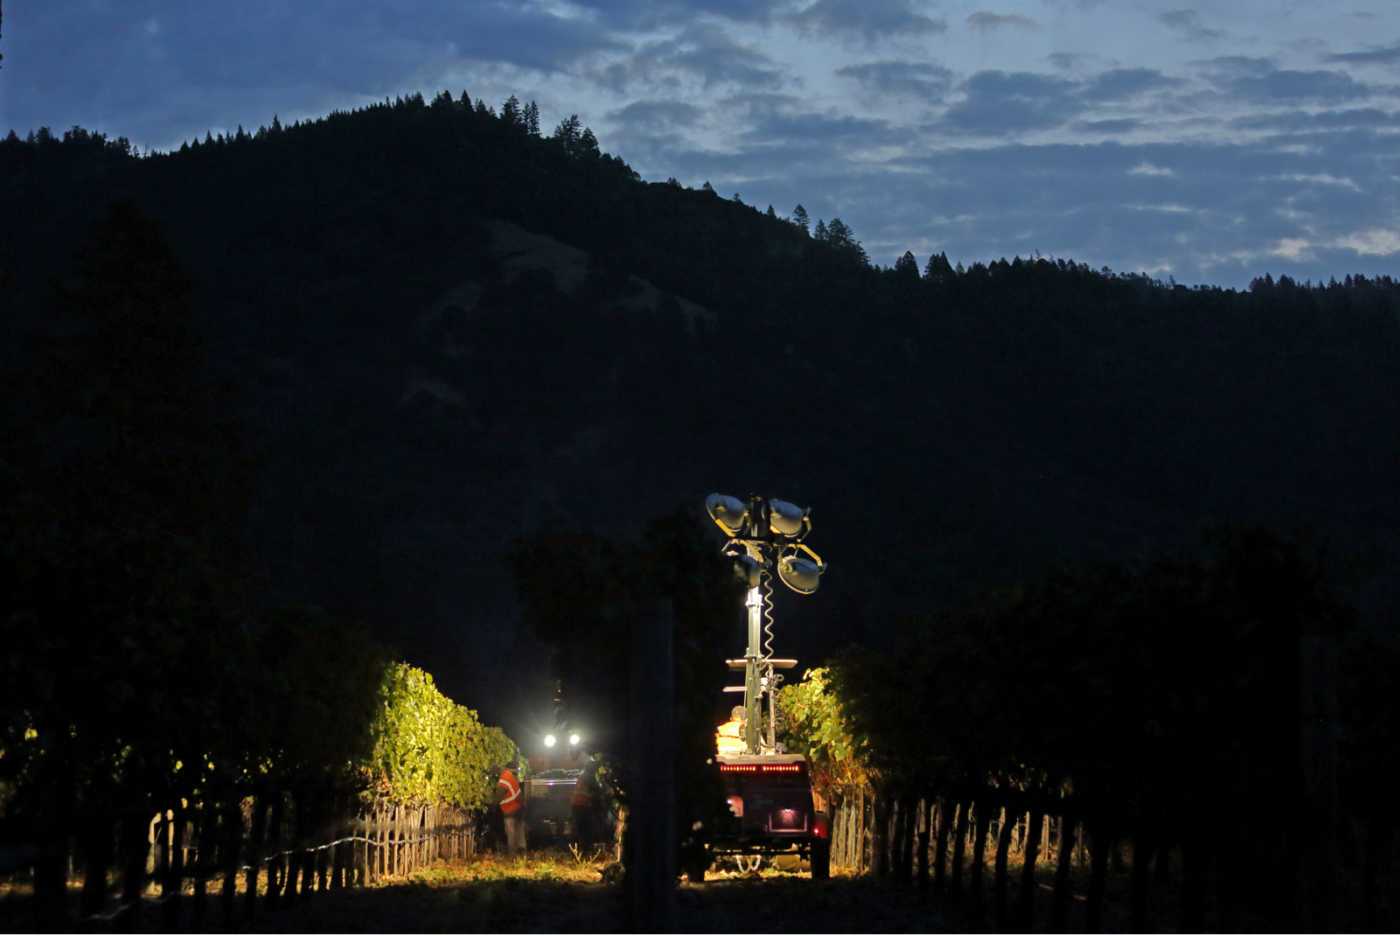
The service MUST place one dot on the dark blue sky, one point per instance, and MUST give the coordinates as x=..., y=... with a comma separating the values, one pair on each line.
x=1210, y=144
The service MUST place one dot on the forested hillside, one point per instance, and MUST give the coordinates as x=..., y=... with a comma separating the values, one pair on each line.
x=442, y=330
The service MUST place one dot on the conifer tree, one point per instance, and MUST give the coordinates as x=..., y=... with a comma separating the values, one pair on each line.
x=588, y=144
x=799, y=218
x=532, y=118
x=568, y=133
x=906, y=266
x=510, y=112
x=820, y=234
x=938, y=269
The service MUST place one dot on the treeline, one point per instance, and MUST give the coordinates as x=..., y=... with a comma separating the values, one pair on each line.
x=1075, y=412
x=147, y=672
x=1220, y=718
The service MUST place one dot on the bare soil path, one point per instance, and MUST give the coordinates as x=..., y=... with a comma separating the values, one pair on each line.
x=560, y=895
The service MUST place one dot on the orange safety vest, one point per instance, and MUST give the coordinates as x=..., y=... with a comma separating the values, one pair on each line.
x=511, y=803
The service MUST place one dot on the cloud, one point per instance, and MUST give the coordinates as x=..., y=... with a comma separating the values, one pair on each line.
x=654, y=14
x=656, y=116
x=1323, y=121
x=869, y=20
x=1118, y=84
x=1002, y=102
x=1316, y=178
x=916, y=79
x=1257, y=80
x=1292, y=248
x=1372, y=242
x=1066, y=61
x=1380, y=55
x=160, y=72
x=1187, y=23
x=702, y=53
x=986, y=21
x=778, y=120
x=1112, y=125
x=1148, y=169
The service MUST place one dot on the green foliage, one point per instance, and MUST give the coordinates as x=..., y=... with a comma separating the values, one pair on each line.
x=814, y=724
x=429, y=749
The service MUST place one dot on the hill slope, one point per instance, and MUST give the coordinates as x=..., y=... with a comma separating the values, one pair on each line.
x=445, y=333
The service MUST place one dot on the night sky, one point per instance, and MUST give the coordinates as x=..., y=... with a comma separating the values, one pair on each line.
x=1208, y=145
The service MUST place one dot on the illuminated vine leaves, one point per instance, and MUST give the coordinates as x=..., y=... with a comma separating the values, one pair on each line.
x=429, y=749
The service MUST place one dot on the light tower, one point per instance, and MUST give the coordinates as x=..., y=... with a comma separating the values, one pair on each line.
x=764, y=534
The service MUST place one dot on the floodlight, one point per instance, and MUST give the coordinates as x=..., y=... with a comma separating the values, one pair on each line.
x=574, y=739
x=786, y=519
x=799, y=573
x=729, y=513
x=550, y=740
x=747, y=568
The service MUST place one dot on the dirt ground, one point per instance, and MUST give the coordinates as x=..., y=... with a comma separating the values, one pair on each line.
x=561, y=895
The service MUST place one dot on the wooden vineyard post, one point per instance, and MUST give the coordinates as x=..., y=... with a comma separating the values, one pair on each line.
x=651, y=836
x=175, y=870
x=940, y=853
x=231, y=838
x=201, y=824
x=1030, y=857
x=274, y=844
x=925, y=821
x=1010, y=820
x=982, y=818
x=367, y=851
x=959, y=843
x=337, y=875
x=255, y=854
x=909, y=813
x=1064, y=856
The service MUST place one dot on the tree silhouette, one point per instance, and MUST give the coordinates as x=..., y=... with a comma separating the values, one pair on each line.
x=907, y=267
x=799, y=218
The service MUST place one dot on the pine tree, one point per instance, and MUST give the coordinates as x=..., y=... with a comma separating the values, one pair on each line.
x=938, y=269
x=820, y=234
x=510, y=112
x=588, y=144
x=465, y=100
x=568, y=132
x=840, y=236
x=799, y=218
x=709, y=188
x=532, y=118
x=771, y=213
x=907, y=267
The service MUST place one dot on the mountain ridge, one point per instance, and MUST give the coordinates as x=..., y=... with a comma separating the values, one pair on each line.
x=952, y=428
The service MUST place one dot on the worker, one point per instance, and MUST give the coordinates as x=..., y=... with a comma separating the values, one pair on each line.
x=508, y=797
x=584, y=804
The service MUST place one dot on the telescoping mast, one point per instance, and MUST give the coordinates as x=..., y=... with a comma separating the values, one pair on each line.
x=765, y=534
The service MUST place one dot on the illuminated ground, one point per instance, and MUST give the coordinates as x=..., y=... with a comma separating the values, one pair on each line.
x=555, y=893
